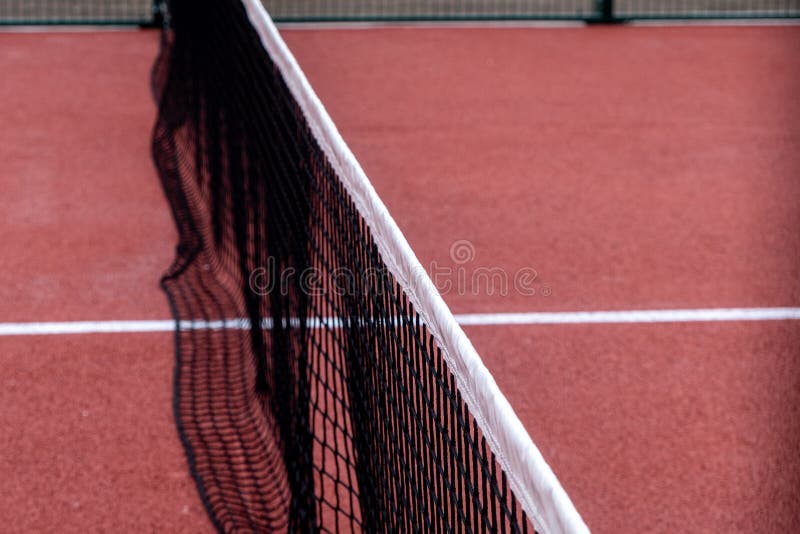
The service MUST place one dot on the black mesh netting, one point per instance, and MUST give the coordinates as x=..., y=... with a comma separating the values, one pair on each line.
x=308, y=394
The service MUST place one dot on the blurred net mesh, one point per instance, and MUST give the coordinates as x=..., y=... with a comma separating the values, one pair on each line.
x=310, y=394
x=535, y=9
x=78, y=11
x=148, y=12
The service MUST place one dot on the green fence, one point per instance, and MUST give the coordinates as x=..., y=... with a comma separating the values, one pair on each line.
x=582, y=10
x=148, y=12
x=105, y=12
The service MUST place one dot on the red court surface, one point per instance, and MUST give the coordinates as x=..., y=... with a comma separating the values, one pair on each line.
x=89, y=443
x=661, y=428
x=85, y=227
x=632, y=168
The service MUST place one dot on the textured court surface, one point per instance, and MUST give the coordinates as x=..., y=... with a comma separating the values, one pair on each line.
x=632, y=168
x=627, y=175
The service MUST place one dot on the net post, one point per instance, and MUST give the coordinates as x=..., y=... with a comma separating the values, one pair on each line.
x=604, y=13
x=608, y=10
x=157, y=10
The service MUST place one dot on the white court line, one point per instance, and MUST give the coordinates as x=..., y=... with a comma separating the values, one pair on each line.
x=67, y=28
x=429, y=24
x=522, y=24
x=631, y=316
x=745, y=22
x=470, y=319
x=84, y=327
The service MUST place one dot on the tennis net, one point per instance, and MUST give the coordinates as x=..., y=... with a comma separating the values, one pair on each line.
x=321, y=384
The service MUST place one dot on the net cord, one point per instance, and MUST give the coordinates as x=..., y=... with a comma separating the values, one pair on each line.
x=530, y=477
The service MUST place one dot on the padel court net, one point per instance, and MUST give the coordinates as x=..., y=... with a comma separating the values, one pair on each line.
x=321, y=383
